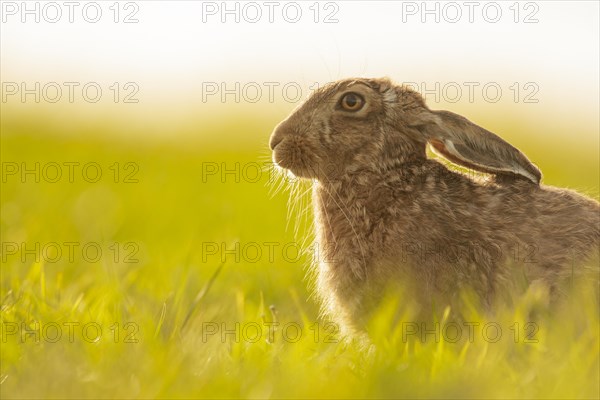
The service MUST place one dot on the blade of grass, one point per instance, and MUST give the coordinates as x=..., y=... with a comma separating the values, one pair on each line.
x=201, y=295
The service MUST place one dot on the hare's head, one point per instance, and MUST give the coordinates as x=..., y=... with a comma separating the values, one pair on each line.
x=372, y=124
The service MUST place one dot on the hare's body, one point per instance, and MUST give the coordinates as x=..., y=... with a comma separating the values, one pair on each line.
x=409, y=226
x=387, y=214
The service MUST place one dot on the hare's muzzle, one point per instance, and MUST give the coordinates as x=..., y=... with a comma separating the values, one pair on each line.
x=279, y=133
x=275, y=140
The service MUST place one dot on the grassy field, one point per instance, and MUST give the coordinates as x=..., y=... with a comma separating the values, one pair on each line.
x=177, y=274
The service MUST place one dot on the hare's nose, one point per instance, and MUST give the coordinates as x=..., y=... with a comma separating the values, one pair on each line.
x=275, y=140
x=277, y=136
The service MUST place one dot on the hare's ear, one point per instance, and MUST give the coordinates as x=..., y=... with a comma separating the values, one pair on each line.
x=464, y=143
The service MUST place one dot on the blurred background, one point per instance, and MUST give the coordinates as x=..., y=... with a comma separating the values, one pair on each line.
x=140, y=129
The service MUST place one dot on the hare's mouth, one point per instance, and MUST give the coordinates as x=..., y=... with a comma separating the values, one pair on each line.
x=291, y=156
x=281, y=155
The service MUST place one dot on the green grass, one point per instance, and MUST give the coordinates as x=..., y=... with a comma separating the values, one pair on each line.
x=147, y=349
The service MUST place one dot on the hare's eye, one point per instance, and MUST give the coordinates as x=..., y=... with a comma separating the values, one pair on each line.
x=352, y=102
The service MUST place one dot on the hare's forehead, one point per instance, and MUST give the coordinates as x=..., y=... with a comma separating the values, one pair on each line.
x=329, y=92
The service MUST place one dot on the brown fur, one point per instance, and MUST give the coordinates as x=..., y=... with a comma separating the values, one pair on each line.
x=385, y=213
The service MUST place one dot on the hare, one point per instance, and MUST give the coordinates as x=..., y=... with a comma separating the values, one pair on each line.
x=386, y=213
